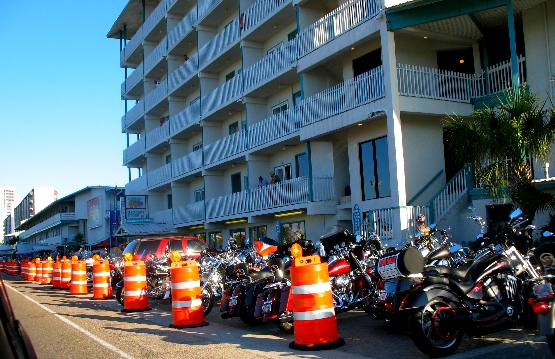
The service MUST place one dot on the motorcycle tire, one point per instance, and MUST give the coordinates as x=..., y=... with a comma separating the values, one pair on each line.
x=207, y=300
x=442, y=340
x=551, y=343
x=120, y=294
x=286, y=327
x=246, y=314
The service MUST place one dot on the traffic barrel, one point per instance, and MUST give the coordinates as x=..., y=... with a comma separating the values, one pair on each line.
x=2, y=266
x=38, y=277
x=187, y=310
x=24, y=266
x=13, y=268
x=315, y=325
x=66, y=274
x=102, y=288
x=57, y=274
x=31, y=271
x=78, y=284
x=46, y=272
x=134, y=284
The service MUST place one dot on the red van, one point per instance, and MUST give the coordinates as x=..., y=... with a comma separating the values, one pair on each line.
x=142, y=248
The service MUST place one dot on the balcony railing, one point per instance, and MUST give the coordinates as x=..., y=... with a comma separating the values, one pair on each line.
x=132, y=80
x=225, y=93
x=156, y=96
x=205, y=6
x=286, y=193
x=156, y=55
x=164, y=216
x=183, y=73
x=345, y=96
x=136, y=186
x=158, y=135
x=260, y=11
x=132, y=45
x=271, y=65
x=160, y=175
x=225, y=38
x=191, y=213
x=135, y=113
x=48, y=223
x=225, y=147
x=499, y=77
x=154, y=18
x=344, y=18
x=274, y=127
x=185, y=119
x=135, y=150
x=183, y=28
x=323, y=189
x=187, y=163
x=380, y=222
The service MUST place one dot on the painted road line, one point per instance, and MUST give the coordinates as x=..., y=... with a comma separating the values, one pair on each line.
x=75, y=326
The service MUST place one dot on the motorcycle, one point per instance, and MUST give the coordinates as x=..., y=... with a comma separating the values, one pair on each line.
x=157, y=279
x=480, y=297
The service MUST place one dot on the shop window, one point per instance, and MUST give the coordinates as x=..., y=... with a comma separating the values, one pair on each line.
x=215, y=240
x=239, y=235
x=374, y=169
x=291, y=232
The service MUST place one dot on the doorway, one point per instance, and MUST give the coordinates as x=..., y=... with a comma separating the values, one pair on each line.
x=367, y=62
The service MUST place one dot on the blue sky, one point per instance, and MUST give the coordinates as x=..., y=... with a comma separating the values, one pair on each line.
x=60, y=106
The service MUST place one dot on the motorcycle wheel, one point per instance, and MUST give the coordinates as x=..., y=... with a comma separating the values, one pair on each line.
x=551, y=343
x=207, y=299
x=433, y=330
x=286, y=327
x=120, y=294
x=247, y=316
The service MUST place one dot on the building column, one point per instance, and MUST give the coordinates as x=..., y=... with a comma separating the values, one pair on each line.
x=394, y=135
x=512, y=43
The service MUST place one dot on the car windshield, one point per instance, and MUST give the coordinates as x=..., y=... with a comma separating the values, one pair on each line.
x=130, y=248
x=194, y=245
x=147, y=247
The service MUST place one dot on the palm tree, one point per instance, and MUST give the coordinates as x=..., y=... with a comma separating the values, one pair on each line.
x=498, y=141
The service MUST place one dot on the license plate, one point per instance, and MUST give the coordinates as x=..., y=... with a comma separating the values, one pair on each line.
x=267, y=307
x=543, y=290
x=233, y=301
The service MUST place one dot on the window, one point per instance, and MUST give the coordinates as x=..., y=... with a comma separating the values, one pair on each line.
x=148, y=247
x=283, y=172
x=234, y=127
x=257, y=232
x=280, y=108
x=176, y=246
x=170, y=201
x=293, y=34
x=195, y=246
x=297, y=97
x=291, y=232
x=197, y=146
x=236, y=182
x=199, y=195
x=274, y=48
x=301, y=165
x=215, y=240
x=168, y=158
x=229, y=76
x=239, y=235
x=374, y=169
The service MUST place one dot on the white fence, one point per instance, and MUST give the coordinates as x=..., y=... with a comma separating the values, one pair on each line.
x=132, y=45
x=274, y=127
x=136, y=112
x=205, y=6
x=225, y=147
x=135, y=150
x=187, y=163
x=337, y=22
x=160, y=175
x=185, y=119
x=158, y=135
x=48, y=223
x=183, y=73
x=136, y=186
x=381, y=222
x=500, y=76
x=154, y=17
x=453, y=191
x=156, y=96
x=182, y=29
x=183, y=215
x=225, y=38
x=156, y=55
x=132, y=80
x=259, y=11
x=226, y=92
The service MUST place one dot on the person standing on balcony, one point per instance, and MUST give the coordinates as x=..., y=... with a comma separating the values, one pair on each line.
x=274, y=178
x=262, y=182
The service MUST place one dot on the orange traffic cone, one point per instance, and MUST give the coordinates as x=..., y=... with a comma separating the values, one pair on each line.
x=187, y=310
x=102, y=288
x=57, y=274
x=78, y=284
x=38, y=276
x=134, y=284
x=313, y=312
x=46, y=272
x=66, y=274
x=31, y=271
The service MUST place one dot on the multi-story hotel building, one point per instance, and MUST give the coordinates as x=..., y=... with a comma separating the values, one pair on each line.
x=342, y=100
x=37, y=199
x=7, y=199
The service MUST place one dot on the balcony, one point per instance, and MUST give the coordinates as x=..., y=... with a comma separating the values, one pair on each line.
x=154, y=19
x=225, y=39
x=226, y=93
x=153, y=62
x=185, y=119
x=189, y=214
x=136, y=187
x=183, y=74
x=134, y=151
x=159, y=176
x=185, y=165
x=274, y=128
x=50, y=222
x=270, y=66
x=130, y=88
x=156, y=96
x=226, y=147
x=136, y=113
x=180, y=32
x=258, y=13
x=206, y=6
x=130, y=51
x=157, y=136
x=164, y=216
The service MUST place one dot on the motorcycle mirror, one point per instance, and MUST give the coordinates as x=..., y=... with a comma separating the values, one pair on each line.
x=516, y=213
x=547, y=234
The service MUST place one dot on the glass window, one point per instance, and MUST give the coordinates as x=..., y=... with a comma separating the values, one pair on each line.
x=292, y=231
x=240, y=235
x=148, y=247
x=194, y=245
x=280, y=108
x=176, y=245
x=374, y=169
x=301, y=165
x=130, y=247
x=236, y=182
x=215, y=240
x=233, y=127
x=283, y=172
x=170, y=201
x=168, y=159
x=199, y=195
x=257, y=232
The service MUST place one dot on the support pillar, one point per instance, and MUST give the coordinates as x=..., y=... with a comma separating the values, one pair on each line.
x=512, y=43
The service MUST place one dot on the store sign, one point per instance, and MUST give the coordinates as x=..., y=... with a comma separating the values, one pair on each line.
x=94, y=219
x=134, y=202
x=136, y=215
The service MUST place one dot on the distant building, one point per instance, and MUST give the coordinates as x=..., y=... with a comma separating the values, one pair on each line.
x=87, y=217
x=7, y=198
x=37, y=199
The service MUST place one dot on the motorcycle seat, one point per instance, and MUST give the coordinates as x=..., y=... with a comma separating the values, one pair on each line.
x=458, y=275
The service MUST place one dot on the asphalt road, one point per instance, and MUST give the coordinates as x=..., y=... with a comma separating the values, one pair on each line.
x=65, y=326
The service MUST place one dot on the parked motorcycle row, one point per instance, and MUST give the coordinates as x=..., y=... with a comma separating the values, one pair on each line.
x=436, y=288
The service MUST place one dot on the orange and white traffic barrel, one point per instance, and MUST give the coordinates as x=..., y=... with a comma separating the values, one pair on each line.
x=31, y=271
x=102, y=287
x=315, y=325
x=187, y=310
x=38, y=276
x=57, y=274
x=46, y=272
x=134, y=284
x=66, y=274
x=13, y=268
x=78, y=284
x=23, y=272
x=2, y=266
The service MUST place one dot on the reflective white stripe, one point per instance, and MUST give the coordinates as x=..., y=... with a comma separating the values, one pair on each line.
x=78, y=282
x=66, y=279
x=134, y=293
x=314, y=314
x=101, y=285
x=47, y=275
x=186, y=285
x=57, y=278
x=101, y=274
x=79, y=272
x=56, y=271
x=137, y=278
x=66, y=270
x=312, y=288
x=186, y=303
